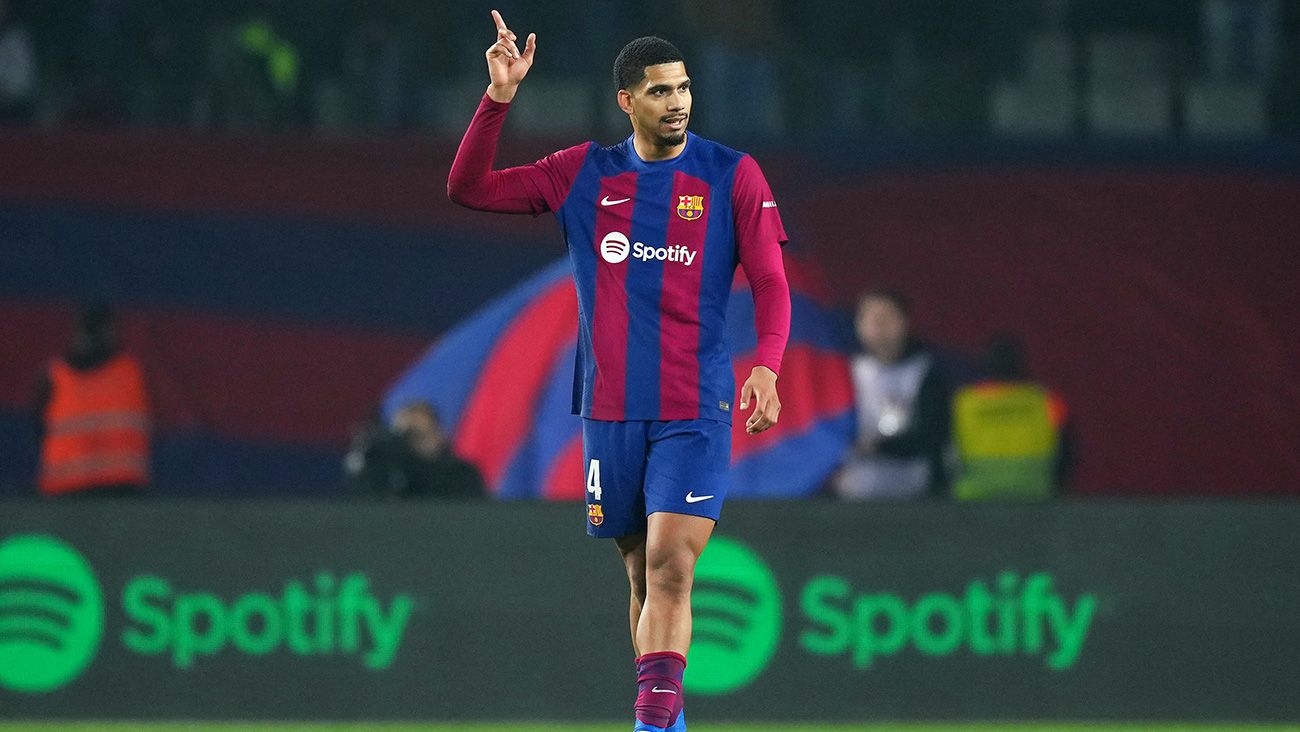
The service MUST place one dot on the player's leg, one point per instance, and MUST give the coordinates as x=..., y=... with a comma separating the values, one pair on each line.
x=685, y=487
x=632, y=549
x=614, y=460
x=674, y=543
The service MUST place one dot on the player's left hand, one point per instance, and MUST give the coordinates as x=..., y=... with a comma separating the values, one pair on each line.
x=761, y=387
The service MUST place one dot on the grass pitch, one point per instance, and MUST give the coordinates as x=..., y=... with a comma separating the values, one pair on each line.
x=624, y=727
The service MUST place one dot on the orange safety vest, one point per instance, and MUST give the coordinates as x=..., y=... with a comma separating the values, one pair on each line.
x=96, y=427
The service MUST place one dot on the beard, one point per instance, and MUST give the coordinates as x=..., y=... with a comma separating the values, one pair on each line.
x=672, y=139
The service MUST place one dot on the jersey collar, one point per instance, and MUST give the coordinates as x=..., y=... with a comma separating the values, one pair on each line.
x=647, y=165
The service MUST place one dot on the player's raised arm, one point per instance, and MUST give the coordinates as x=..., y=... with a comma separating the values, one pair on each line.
x=532, y=189
x=507, y=66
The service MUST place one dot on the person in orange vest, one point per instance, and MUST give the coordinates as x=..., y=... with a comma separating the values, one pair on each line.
x=1010, y=435
x=94, y=415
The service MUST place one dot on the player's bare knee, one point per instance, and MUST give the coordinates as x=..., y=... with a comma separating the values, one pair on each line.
x=669, y=582
x=671, y=572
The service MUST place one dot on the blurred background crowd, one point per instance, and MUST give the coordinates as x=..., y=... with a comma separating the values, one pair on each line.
x=1056, y=68
x=1038, y=246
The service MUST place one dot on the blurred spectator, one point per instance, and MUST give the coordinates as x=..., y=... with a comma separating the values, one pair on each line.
x=734, y=59
x=377, y=69
x=1241, y=38
x=162, y=94
x=1009, y=436
x=902, y=408
x=106, y=57
x=411, y=459
x=252, y=75
x=1286, y=87
x=17, y=69
x=93, y=411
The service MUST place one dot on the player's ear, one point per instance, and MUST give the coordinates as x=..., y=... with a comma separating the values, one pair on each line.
x=625, y=101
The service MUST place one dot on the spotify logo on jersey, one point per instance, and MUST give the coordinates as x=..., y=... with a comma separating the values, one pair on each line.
x=51, y=614
x=615, y=247
x=736, y=609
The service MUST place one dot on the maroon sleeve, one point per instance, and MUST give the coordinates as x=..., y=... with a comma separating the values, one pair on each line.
x=533, y=189
x=759, y=236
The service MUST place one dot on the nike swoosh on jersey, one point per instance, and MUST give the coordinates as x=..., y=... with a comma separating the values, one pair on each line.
x=606, y=202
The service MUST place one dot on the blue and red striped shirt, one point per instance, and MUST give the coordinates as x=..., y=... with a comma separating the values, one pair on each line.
x=654, y=247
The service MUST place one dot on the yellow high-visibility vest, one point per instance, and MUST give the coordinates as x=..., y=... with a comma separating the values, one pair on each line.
x=1007, y=437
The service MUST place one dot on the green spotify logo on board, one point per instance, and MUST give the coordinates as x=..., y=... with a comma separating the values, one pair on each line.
x=52, y=618
x=736, y=609
x=51, y=614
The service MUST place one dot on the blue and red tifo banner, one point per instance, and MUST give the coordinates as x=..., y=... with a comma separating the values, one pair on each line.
x=502, y=382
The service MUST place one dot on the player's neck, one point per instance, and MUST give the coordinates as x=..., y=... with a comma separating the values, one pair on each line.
x=651, y=151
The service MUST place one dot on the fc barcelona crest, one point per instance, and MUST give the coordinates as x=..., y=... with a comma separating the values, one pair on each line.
x=690, y=207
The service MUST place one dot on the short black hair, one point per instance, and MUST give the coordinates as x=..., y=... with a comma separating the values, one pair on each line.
x=629, y=67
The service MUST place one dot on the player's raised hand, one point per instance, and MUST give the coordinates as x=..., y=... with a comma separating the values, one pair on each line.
x=761, y=387
x=507, y=65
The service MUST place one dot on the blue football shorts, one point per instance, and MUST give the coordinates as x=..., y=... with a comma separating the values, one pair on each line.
x=634, y=469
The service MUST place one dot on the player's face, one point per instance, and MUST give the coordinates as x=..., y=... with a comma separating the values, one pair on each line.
x=660, y=105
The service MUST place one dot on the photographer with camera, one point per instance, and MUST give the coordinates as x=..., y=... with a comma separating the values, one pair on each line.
x=411, y=458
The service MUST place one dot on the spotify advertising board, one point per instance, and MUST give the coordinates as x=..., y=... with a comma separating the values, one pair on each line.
x=801, y=611
x=306, y=610
x=1072, y=610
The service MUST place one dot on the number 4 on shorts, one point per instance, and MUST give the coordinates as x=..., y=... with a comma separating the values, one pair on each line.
x=593, y=479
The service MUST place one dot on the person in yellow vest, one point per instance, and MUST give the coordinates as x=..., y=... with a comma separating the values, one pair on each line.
x=1009, y=436
x=94, y=414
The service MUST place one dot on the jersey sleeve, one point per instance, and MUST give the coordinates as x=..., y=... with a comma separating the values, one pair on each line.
x=757, y=218
x=759, y=236
x=532, y=189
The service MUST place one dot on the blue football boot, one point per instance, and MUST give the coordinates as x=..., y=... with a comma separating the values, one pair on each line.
x=678, y=726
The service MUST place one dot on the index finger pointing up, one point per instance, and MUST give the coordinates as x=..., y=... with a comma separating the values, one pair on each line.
x=496, y=18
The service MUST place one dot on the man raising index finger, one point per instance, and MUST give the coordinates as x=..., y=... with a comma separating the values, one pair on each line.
x=655, y=226
x=507, y=65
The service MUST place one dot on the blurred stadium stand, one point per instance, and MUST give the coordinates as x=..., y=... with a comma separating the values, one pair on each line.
x=1002, y=67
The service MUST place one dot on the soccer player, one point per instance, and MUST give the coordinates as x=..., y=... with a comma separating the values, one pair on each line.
x=655, y=227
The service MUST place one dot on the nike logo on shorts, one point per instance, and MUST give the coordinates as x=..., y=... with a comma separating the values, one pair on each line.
x=692, y=498
x=657, y=690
